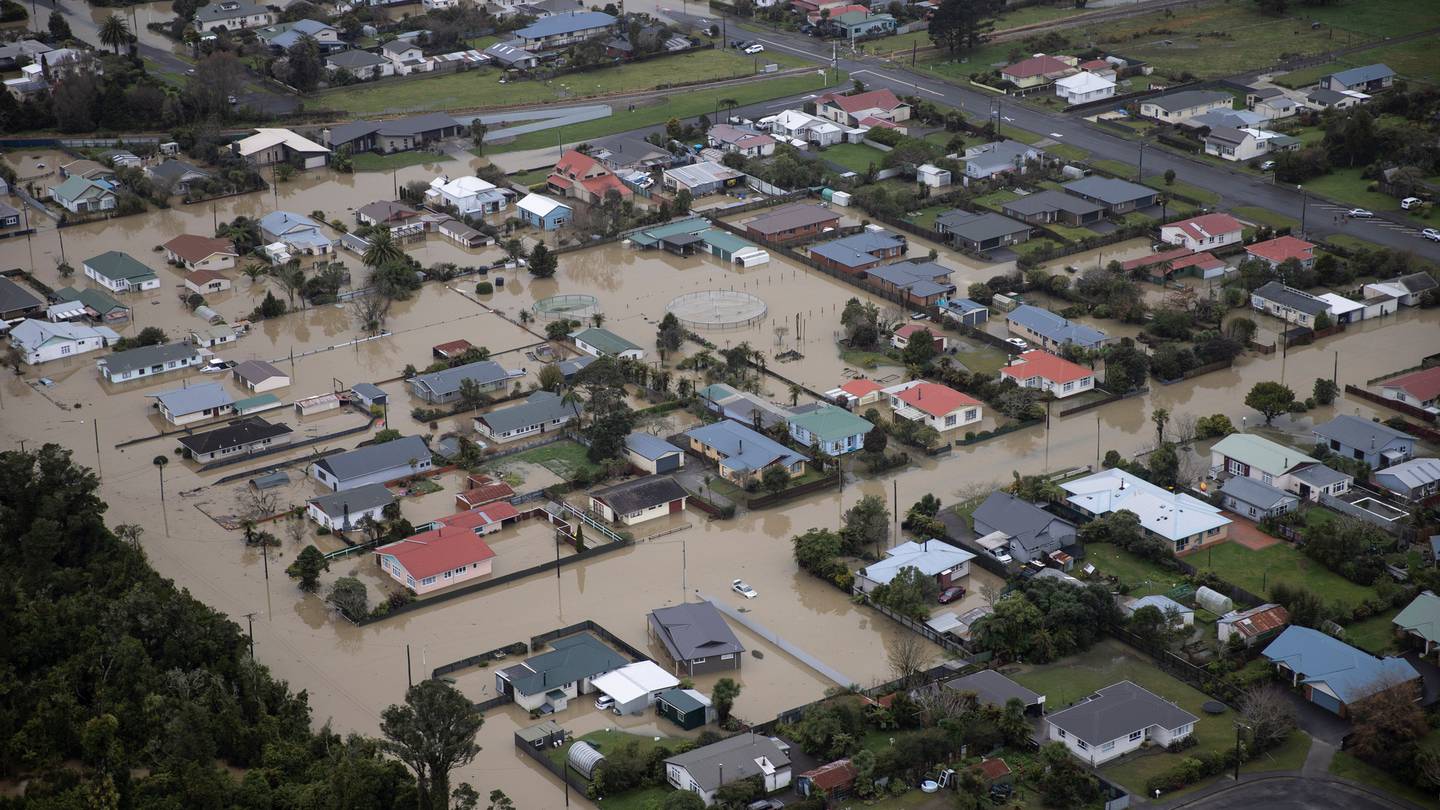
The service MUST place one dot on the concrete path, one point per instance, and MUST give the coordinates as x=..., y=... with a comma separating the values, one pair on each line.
x=761, y=630
x=1317, y=762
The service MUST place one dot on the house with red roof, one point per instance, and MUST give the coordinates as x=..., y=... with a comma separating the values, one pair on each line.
x=1420, y=389
x=1039, y=70
x=481, y=490
x=580, y=177
x=1182, y=261
x=856, y=394
x=195, y=252
x=450, y=551
x=814, y=17
x=933, y=404
x=1047, y=372
x=1100, y=68
x=902, y=336
x=1283, y=249
x=1205, y=232
x=853, y=109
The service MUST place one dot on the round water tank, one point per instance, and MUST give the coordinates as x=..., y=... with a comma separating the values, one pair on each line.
x=584, y=757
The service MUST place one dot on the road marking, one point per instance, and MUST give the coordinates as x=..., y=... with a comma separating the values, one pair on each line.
x=897, y=80
x=787, y=47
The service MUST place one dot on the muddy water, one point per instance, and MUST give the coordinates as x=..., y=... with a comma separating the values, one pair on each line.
x=352, y=673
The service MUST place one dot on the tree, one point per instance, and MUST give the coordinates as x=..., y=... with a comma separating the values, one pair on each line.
x=350, y=597
x=114, y=32
x=1387, y=721
x=775, y=479
x=1161, y=417
x=1169, y=177
x=865, y=524
x=1270, y=398
x=1241, y=329
x=59, y=28
x=682, y=800
x=1011, y=628
x=920, y=349
x=307, y=567
x=1164, y=466
x=962, y=24
x=683, y=200
x=723, y=696
x=471, y=397
x=382, y=249
x=816, y=551
x=478, y=129
x=543, y=262
x=876, y=441
x=909, y=656
x=551, y=378
x=910, y=592
x=1063, y=782
x=433, y=733
x=1271, y=715
x=1325, y=390
x=670, y=333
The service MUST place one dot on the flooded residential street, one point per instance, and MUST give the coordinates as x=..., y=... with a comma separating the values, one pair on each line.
x=352, y=673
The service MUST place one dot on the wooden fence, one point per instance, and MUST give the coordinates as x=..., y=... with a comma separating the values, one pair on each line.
x=1394, y=405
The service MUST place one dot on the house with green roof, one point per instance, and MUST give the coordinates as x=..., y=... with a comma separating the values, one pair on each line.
x=599, y=342
x=119, y=272
x=99, y=305
x=1420, y=621
x=833, y=429
x=687, y=237
x=81, y=195
x=1250, y=456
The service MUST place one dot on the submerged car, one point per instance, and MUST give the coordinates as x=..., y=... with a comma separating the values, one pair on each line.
x=739, y=586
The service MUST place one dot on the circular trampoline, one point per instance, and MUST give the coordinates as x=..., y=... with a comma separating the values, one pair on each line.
x=717, y=309
x=576, y=307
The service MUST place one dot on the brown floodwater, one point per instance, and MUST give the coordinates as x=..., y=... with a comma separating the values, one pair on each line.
x=353, y=673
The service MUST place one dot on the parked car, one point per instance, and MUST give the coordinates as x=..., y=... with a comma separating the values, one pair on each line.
x=950, y=594
x=1431, y=234
x=1267, y=166
x=1411, y=202
x=216, y=366
x=1018, y=343
x=739, y=586
x=755, y=48
x=1359, y=213
x=604, y=703
x=765, y=804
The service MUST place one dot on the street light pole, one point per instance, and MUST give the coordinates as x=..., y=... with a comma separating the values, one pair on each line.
x=1304, y=204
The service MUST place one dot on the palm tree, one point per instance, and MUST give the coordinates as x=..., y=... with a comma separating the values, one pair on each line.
x=597, y=320
x=572, y=398
x=254, y=271
x=382, y=249
x=795, y=392
x=114, y=32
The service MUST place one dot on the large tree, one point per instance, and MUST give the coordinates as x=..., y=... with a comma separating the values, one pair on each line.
x=959, y=25
x=382, y=249
x=433, y=733
x=114, y=32
x=723, y=696
x=1270, y=398
x=866, y=524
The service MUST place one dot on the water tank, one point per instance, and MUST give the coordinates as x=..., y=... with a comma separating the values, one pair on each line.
x=840, y=198
x=827, y=193
x=584, y=757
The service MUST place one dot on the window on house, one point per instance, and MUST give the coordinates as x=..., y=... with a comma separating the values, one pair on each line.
x=1267, y=478
x=1109, y=746
x=1135, y=735
x=1061, y=732
x=1067, y=386
x=949, y=420
x=428, y=581
x=1084, y=746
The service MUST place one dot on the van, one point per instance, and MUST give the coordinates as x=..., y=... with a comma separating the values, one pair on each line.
x=1410, y=203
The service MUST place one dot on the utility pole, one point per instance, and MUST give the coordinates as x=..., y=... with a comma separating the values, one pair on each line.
x=895, y=501
x=409, y=678
x=250, y=619
x=1140, y=170
x=1304, y=204
x=99, y=473
x=1335, y=374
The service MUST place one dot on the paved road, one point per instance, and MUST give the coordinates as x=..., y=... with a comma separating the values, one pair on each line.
x=1236, y=188
x=1292, y=793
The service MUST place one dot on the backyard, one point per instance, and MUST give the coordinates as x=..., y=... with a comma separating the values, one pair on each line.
x=565, y=459
x=857, y=157
x=638, y=799
x=1257, y=570
x=1184, y=189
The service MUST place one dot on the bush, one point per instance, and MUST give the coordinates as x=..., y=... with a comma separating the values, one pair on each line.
x=484, y=288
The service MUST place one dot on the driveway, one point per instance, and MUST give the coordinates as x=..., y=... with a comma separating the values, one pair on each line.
x=1317, y=722
x=1430, y=673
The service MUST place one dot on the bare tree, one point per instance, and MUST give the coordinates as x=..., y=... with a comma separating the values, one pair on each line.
x=1185, y=427
x=258, y=504
x=909, y=656
x=296, y=528
x=1384, y=722
x=1271, y=715
x=370, y=312
x=991, y=592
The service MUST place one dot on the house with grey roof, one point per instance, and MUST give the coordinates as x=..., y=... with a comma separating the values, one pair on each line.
x=1116, y=720
x=541, y=412
x=1050, y=206
x=16, y=301
x=860, y=252
x=703, y=771
x=373, y=464
x=1050, y=331
x=258, y=376
x=1323, y=98
x=1028, y=531
x=392, y=135
x=559, y=675
x=1002, y=157
x=653, y=454
x=362, y=65
x=232, y=15
x=1374, y=443
x=1288, y=304
x=183, y=406
x=1254, y=499
x=741, y=453
x=1366, y=79
x=283, y=36
x=242, y=437
x=994, y=689
x=1177, y=108
x=980, y=231
x=639, y=499
x=177, y=175
x=441, y=387
x=696, y=637
x=923, y=283
x=1117, y=196
x=147, y=361
x=344, y=510
x=562, y=30
x=1415, y=480
x=512, y=55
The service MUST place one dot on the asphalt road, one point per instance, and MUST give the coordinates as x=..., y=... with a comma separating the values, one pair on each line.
x=1291, y=793
x=1234, y=187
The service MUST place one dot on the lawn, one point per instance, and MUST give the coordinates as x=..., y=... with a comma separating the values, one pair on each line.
x=1345, y=240
x=1183, y=188
x=1035, y=246
x=1070, y=232
x=995, y=199
x=857, y=157
x=1348, y=187
x=564, y=458
x=478, y=89
x=1256, y=571
x=1304, y=77
x=1065, y=151
x=1376, y=634
x=530, y=178
x=371, y=162
x=925, y=217
x=1348, y=766
x=639, y=799
x=1376, y=17
x=1018, y=134
x=1264, y=216
x=1412, y=60
x=1069, y=679
x=681, y=105
x=1115, y=167
x=867, y=360
x=1145, y=578
x=980, y=357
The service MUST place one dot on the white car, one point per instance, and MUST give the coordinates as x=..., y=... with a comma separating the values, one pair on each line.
x=756, y=48
x=1359, y=213
x=1411, y=202
x=739, y=586
x=1267, y=165
x=1018, y=343
x=1431, y=234
x=604, y=703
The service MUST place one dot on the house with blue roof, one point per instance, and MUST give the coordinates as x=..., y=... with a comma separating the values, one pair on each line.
x=195, y=403
x=967, y=312
x=1332, y=674
x=1050, y=331
x=562, y=30
x=283, y=36
x=742, y=454
x=922, y=283
x=652, y=453
x=297, y=232
x=932, y=558
x=1366, y=79
x=859, y=252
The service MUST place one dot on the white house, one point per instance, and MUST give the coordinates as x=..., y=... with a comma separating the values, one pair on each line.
x=184, y=406
x=1288, y=304
x=805, y=127
x=559, y=675
x=1043, y=370
x=195, y=252
x=598, y=342
x=1181, y=521
x=933, y=404
x=232, y=15
x=1116, y=720
x=405, y=56
x=635, y=687
x=118, y=272
x=1230, y=143
x=147, y=361
x=1205, y=232
x=1175, y=108
x=42, y=341
x=1248, y=455
x=1001, y=157
x=271, y=145
x=947, y=564
x=342, y=511
x=703, y=771
x=373, y=464
x=541, y=412
x=652, y=453
x=471, y=196
x=1084, y=87
x=639, y=499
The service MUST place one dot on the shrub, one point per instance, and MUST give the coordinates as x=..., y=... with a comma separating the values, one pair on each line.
x=484, y=288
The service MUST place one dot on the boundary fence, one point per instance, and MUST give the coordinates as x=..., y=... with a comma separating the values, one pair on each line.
x=1394, y=405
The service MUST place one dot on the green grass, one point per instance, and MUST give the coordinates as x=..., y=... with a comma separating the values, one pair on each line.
x=1348, y=766
x=1034, y=245
x=1348, y=187
x=996, y=199
x=1414, y=60
x=1196, y=193
x=1375, y=17
x=867, y=360
x=371, y=162
x=1264, y=216
x=1070, y=232
x=1115, y=167
x=1288, y=757
x=1018, y=134
x=639, y=799
x=1258, y=571
x=681, y=105
x=564, y=458
x=1069, y=679
x=481, y=43
x=1345, y=240
x=530, y=178
x=981, y=357
x=1304, y=77
x=1376, y=634
x=857, y=157
x=1065, y=151
x=1145, y=578
x=925, y=217
x=477, y=89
